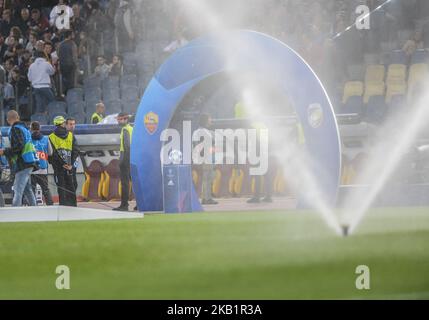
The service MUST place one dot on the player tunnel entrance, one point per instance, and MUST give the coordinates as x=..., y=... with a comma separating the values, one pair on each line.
x=188, y=83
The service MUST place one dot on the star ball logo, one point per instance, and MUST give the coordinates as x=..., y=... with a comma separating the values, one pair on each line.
x=315, y=115
x=151, y=121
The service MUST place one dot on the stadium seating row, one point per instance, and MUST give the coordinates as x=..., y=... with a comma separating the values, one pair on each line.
x=236, y=181
x=377, y=82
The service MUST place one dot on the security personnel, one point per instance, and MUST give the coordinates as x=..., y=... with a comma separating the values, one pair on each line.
x=40, y=177
x=98, y=115
x=124, y=159
x=64, y=154
x=22, y=157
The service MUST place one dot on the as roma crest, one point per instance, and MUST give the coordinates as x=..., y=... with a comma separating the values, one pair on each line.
x=151, y=122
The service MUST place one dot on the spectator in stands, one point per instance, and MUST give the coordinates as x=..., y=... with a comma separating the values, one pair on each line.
x=68, y=61
x=40, y=45
x=25, y=62
x=22, y=156
x=19, y=49
x=414, y=43
x=37, y=20
x=24, y=21
x=8, y=66
x=124, y=26
x=8, y=97
x=97, y=23
x=2, y=84
x=39, y=75
x=98, y=115
x=70, y=124
x=77, y=23
x=6, y=23
x=47, y=50
x=3, y=48
x=43, y=149
x=102, y=69
x=47, y=36
x=116, y=66
x=11, y=51
x=20, y=85
x=60, y=10
x=1, y=6
x=87, y=8
x=31, y=45
x=15, y=32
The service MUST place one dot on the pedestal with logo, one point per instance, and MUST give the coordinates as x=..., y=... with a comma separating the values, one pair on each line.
x=179, y=194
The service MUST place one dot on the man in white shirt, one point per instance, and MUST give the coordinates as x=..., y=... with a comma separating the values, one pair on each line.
x=39, y=75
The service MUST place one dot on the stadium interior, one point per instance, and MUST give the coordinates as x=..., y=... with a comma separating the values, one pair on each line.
x=368, y=74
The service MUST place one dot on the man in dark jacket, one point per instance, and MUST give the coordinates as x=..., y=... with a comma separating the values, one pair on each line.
x=68, y=57
x=124, y=159
x=64, y=155
x=22, y=157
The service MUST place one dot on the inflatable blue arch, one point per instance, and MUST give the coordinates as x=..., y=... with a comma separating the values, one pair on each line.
x=205, y=57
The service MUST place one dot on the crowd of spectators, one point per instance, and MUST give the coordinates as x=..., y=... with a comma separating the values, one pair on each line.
x=97, y=34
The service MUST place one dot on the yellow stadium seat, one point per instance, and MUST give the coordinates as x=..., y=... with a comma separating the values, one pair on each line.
x=375, y=73
x=111, y=182
x=217, y=182
x=105, y=186
x=397, y=73
x=130, y=192
x=93, y=181
x=395, y=88
x=351, y=89
x=279, y=183
x=373, y=89
x=418, y=72
x=85, y=186
x=236, y=182
x=101, y=185
x=253, y=184
x=195, y=177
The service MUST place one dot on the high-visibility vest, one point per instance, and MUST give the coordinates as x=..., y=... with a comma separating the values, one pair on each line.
x=41, y=146
x=63, y=147
x=97, y=116
x=28, y=153
x=128, y=128
x=239, y=111
x=300, y=134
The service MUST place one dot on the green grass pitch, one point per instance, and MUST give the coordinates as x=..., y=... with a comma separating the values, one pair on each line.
x=229, y=255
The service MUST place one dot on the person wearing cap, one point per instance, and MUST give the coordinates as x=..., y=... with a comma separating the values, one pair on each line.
x=98, y=115
x=64, y=155
x=43, y=148
x=124, y=159
x=23, y=160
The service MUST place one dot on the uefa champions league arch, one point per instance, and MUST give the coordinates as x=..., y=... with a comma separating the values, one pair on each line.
x=204, y=58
